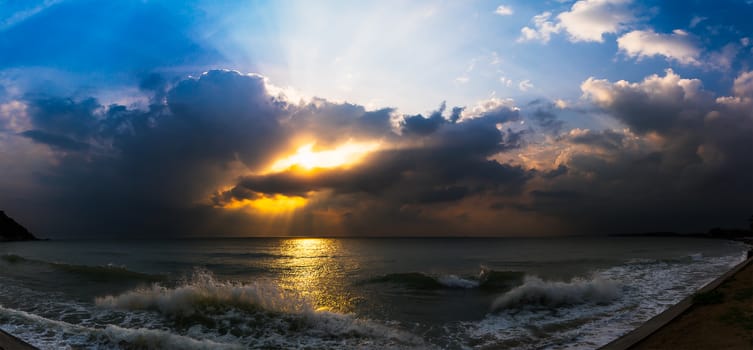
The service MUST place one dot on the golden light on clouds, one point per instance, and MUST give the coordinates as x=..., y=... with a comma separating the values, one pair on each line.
x=277, y=204
x=306, y=158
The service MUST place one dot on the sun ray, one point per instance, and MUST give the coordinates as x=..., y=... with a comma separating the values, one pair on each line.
x=306, y=158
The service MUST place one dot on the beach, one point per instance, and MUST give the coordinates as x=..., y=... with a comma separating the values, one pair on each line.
x=718, y=316
x=723, y=320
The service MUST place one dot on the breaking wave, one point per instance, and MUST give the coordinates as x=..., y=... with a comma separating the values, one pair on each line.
x=535, y=291
x=109, y=337
x=257, y=309
x=487, y=279
x=202, y=291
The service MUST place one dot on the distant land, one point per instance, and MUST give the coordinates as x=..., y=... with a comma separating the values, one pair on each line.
x=10, y=230
x=741, y=235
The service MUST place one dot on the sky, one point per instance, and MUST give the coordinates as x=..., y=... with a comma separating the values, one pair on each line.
x=385, y=118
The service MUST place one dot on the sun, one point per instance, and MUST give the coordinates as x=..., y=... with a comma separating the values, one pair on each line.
x=306, y=158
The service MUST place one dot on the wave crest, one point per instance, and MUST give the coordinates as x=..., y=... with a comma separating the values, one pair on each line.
x=487, y=279
x=203, y=291
x=536, y=291
x=265, y=307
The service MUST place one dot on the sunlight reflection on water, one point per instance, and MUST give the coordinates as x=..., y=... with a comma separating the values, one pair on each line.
x=312, y=271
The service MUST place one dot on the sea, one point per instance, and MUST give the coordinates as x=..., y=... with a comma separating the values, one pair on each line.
x=348, y=293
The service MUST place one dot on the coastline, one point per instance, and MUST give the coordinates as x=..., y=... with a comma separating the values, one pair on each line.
x=10, y=342
x=637, y=338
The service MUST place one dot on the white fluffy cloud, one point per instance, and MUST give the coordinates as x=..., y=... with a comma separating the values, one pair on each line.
x=544, y=28
x=525, y=85
x=670, y=87
x=678, y=45
x=504, y=10
x=487, y=106
x=744, y=85
x=587, y=20
x=505, y=81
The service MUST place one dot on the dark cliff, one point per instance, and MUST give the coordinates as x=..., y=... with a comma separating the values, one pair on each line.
x=10, y=230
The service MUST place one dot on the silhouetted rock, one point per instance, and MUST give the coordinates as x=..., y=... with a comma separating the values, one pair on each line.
x=10, y=230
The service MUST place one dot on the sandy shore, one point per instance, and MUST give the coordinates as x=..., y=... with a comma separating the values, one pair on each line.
x=9, y=342
x=720, y=319
x=720, y=316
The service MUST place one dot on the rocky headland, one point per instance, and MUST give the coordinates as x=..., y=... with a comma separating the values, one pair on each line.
x=10, y=230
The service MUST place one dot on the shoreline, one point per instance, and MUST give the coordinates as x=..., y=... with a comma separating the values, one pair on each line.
x=671, y=315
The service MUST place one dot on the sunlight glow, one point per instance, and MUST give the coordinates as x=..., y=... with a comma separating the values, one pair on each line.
x=270, y=204
x=306, y=158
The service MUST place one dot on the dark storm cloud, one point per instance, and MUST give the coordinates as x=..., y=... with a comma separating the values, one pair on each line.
x=63, y=116
x=545, y=117
x=203, y=142
x=659, y=104
x=560, y=170
x=53, y=140
x=696, y=172
x=139, y=171
x=420, y=125
x=150, y=167
x=450, y=164
x=608, y=139
x=334, y=123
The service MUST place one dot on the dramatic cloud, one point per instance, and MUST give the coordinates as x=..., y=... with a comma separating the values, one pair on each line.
x=179, y=158
x=220, y=154
x=678, y=45
x=658, y=104
x=545, y=115
x=123, y=163
x=684, y=158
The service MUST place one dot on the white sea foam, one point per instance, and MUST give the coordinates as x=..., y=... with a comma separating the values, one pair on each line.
x=454, y=281
x=143, y=338
x=645, y=287
x=225, y=303
x=56, y=333
x=536, y=291
x=204, y=291
x=322, y=329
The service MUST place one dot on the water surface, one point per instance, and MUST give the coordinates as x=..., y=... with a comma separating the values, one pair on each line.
x=344, y=293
